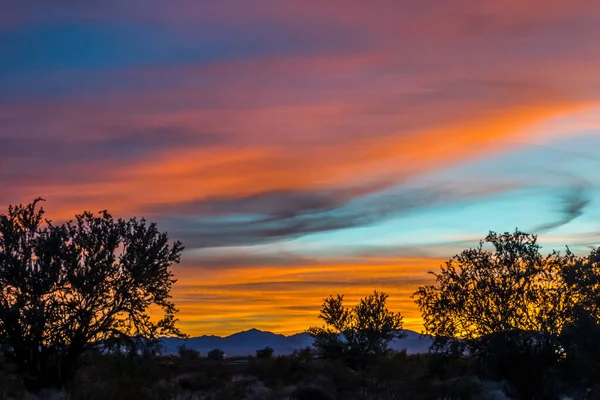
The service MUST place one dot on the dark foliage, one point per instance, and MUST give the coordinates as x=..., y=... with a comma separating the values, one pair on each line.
x=267, y=352
x=206, y=377
x=216, y=355
x=292, y=369
x=187, y=353
x=357, y=335
x=486, y=291
x=513, y=311
x=119, y=376
x=580, y=337
x=581, y=365
x=66, y=288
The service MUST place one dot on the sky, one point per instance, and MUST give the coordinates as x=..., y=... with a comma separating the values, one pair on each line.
x=306, y=148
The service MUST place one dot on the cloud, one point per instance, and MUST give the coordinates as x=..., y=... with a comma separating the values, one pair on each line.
x=574, y=201
x=279, y=216
x=119, y=145
x=407, y=99
x=284, y=203
x=256, y=222
x=328, y=284
x=37, y=166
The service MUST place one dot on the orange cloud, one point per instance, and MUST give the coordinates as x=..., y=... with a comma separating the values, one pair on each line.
x=184, y=175
x=287, y=299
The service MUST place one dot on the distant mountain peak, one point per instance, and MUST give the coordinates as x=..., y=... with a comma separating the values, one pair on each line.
x=254, y=330
x=251, y=330
x=247, y=342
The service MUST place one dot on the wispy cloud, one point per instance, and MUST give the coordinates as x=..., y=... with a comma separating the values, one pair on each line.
x=574, y=202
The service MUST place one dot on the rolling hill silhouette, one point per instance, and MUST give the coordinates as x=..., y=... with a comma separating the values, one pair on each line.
x=247, y=342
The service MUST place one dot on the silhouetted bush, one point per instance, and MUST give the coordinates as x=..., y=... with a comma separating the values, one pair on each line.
x=358, y=335
x=120, y=376
x=216, y=355
x=267, y=352
x=295, y=368
x=188, y=354
x=210, y=376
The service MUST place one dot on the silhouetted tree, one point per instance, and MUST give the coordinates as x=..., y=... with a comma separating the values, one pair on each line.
x=188, y=353
x=581, y=276
x=65, y=288
x=267, y=352
x=580, y=338
x=356, y=334
x=216, y=355
x=505, y=304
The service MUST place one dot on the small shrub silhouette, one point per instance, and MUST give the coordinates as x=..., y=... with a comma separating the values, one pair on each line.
x=188, y=354
x=357, y=335
x=267, y=352
x=216, y=355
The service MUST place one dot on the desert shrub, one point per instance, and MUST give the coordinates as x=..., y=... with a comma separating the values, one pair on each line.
x=216, y=355
x=295, y=368
x=399, y=366
x=339, y=376
x=267, y=352
x=358, y=335
x=187, y=354
x=119, y=376
x=208, y=376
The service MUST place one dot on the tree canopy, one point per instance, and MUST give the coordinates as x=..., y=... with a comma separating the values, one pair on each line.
x=67, y=287
x=358, y=333
x=518, y=311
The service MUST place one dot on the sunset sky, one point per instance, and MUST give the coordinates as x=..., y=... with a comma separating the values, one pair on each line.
x=306, y=148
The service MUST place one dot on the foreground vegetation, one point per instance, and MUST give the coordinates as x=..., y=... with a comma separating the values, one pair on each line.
x=507, y=323
x=299, y=376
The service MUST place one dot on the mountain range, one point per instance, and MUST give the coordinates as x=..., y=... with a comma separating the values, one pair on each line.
x=247, y=342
